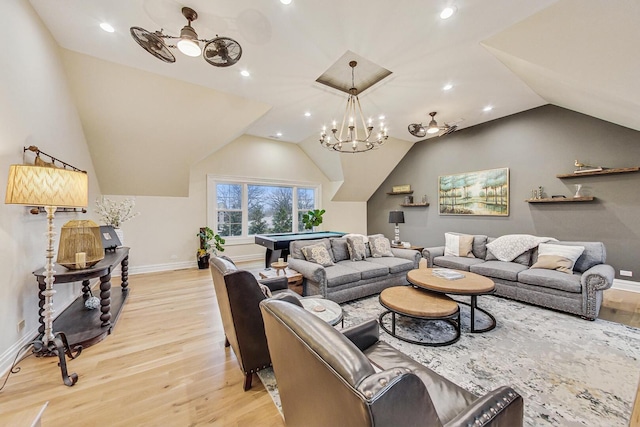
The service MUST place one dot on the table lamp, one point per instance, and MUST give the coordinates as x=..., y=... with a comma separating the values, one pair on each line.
x=52, y=188
x=396, y=217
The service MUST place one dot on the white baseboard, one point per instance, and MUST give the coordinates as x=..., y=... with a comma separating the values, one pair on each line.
x=154, y=268
x=7, y=358
x=626, y=285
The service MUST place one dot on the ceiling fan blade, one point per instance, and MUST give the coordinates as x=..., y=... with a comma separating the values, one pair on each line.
x=152, y=43
x=417, y=130
x=222, y=52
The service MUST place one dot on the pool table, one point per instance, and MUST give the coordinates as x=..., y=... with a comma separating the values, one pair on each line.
x=278, y=244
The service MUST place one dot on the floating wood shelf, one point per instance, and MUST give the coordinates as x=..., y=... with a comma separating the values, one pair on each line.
x=561, y=200
x=414, y=205
x=602, y=172
x=393, y=193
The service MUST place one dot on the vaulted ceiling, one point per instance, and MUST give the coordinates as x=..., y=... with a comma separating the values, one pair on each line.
x=140, y=113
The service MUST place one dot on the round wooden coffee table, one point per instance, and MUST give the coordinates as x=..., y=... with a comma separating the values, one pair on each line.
x=418, y=304
x=471, y=284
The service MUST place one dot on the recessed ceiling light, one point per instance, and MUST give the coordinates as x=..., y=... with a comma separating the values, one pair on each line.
x=447, y=12
x=381, y=117
x=107, y=27
x=448, y=86
x=279, y=134
x=285, y=1
x=245, y=73
x=487, y=108
x=307, y=114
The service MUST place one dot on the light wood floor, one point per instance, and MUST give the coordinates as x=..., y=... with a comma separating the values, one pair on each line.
x=166, y=364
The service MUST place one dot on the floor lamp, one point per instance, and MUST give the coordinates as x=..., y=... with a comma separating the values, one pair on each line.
x=52, y=188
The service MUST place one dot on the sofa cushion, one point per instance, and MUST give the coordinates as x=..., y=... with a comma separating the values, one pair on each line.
x=295, y=247
x=458, y=245
x=499, y=269
x=395, y=264
x=355, y=244
x=339, y=274
x=551, y=279
x=594, y=254
x=479, y=246
x=367, y=270
x=554, y=262
x=339, y=249
x=459, y=263
x=317, y=254
x=569, y=252
x=379, y=246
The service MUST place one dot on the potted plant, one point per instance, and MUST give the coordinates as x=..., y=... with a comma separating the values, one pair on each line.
x=210, y=242
x=312, y=218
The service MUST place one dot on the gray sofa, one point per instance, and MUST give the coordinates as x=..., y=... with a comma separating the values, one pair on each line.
x=578, y=293
x=348, y=280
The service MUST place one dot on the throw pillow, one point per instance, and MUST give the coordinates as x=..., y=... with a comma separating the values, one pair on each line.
x=458, y=245
x=380, y=246
x=339, y=249
x=554, y=262
x=569, y=253
x=317, y=254
x=265, y=290
x=357, y=251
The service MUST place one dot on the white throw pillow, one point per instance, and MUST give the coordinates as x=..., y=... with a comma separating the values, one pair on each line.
x=458, y=245
x=571, y=253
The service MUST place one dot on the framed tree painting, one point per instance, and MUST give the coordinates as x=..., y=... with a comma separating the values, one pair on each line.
x=475, y=193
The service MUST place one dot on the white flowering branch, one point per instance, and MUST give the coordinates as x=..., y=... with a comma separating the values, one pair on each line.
x=113, y=213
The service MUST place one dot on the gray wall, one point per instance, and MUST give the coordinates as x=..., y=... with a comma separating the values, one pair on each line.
x=535, y=145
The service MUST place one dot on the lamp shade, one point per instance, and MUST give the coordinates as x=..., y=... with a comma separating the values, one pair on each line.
x=46, y=186
x=396, y=217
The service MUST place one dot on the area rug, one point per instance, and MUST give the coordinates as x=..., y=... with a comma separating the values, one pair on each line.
x=570, y=371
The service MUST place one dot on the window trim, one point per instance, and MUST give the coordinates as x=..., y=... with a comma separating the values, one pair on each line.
x=212, y=209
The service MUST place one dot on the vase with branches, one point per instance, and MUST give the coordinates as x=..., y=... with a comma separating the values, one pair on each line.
x=116, y=213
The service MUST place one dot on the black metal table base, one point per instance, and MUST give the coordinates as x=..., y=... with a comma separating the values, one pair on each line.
x=59, y=347
x=473, y=306
x=453, y=319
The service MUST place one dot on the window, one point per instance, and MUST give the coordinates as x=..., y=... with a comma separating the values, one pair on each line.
x=240, y=209
x=229, y=203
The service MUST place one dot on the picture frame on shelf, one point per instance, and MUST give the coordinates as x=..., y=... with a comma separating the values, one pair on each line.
x=110, y=240
x=401, y=188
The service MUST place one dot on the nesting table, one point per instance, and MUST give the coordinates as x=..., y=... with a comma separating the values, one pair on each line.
x=418, y=304
x=471, y=284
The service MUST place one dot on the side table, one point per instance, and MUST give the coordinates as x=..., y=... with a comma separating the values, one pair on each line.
x=294, y=278
x=86, y=327
x=327, y=310
x=415, y=248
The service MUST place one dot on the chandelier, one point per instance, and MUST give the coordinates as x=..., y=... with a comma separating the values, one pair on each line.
x=353, y=137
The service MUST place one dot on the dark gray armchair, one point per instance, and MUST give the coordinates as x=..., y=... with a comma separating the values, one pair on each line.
x=239, y=296
x=351, y=378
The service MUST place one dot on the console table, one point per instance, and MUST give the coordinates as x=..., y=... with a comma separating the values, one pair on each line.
x=87, y=327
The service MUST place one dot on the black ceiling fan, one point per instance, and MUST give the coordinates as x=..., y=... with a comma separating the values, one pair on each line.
x=219, y=51
x=420, y=131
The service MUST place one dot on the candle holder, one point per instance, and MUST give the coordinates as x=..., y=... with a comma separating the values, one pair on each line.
x=578, y=189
